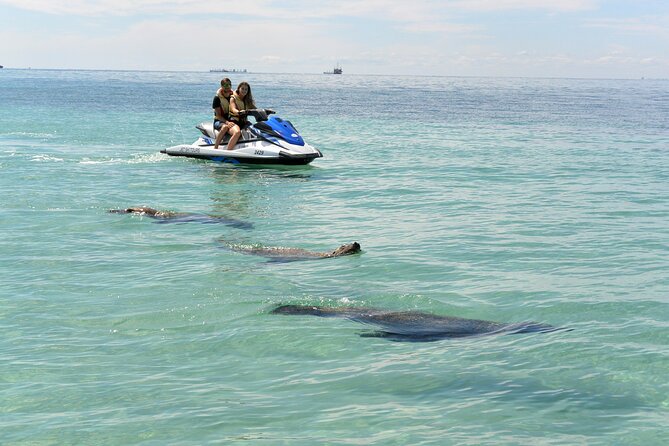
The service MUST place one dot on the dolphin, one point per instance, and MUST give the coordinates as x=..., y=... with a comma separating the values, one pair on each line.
x=183, y=217
x=278, y=254
x=416, y=326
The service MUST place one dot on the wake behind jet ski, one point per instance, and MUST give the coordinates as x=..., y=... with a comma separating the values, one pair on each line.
x=271, y=140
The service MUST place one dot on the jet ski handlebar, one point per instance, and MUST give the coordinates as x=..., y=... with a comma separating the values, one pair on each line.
x=260, y=114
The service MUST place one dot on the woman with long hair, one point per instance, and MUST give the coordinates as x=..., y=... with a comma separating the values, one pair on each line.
x=241, y=101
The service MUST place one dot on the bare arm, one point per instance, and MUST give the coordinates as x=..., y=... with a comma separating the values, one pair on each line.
x=234, y=111
x=218, y=111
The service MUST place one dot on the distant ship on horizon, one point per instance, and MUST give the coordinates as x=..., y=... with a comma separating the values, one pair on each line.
x=225, y=70
x=336, y=70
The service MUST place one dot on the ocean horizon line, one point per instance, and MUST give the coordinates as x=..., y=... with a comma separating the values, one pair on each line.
x=348, y=74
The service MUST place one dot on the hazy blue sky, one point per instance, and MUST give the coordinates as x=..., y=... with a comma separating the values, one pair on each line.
x=563, y=38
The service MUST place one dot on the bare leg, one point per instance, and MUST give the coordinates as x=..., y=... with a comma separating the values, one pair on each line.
x=219, y=137
x=236, y=133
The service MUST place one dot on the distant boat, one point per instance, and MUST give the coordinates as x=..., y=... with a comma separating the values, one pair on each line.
x=1, y=66
x=336, y=70
x=225, y=70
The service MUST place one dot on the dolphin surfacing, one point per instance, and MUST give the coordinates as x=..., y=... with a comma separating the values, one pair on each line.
x=182, y=217
x=415, y=326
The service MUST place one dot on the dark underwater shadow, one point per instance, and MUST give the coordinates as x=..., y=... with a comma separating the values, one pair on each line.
x=235, y=173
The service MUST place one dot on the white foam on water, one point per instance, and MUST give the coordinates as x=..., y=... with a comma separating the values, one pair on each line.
x=149, y=158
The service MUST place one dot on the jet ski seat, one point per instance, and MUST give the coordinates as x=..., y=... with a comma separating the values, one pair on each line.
x=206, y=131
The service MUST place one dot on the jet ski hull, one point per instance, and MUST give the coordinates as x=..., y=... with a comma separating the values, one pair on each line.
x=250, y=153
x=251, y=149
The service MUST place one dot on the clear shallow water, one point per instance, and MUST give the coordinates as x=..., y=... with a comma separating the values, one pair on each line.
x=499, y=199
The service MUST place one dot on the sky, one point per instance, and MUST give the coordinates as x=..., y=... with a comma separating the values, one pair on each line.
x=527, y=38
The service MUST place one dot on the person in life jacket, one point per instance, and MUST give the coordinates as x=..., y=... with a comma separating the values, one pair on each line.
x=241, y=101
x=222, y=122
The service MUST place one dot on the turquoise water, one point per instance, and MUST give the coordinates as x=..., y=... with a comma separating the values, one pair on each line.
x=498, y=199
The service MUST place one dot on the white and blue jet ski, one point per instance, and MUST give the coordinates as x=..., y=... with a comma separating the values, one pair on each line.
x=271, y=140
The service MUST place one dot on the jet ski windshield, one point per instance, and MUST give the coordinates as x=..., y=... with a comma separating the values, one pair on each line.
x=280, y=128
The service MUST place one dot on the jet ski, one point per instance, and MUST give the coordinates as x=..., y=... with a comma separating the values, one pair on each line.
x=270, y=140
